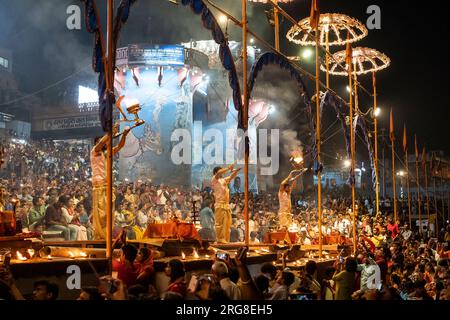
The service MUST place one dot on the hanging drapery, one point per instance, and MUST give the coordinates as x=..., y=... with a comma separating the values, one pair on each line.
x=210, y=23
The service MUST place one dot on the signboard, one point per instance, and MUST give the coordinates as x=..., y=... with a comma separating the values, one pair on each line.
x=77, y=122
x=86, y=121
x=122, y=56
x=155, y=55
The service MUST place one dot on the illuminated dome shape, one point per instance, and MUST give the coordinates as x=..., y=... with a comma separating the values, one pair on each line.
x=336, y=25
x=366, y=61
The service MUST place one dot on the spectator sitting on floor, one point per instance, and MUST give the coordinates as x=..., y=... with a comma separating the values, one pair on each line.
x=126, y=270
x=144, y=264
x=177, y=288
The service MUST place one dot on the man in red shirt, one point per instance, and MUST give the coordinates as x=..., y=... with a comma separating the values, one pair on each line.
x=393, y=227
x=125, y=268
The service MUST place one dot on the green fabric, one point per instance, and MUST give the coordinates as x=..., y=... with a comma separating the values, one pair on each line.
x=36, y=215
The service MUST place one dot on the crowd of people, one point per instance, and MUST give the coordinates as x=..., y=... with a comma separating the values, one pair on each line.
x=408, y=270
x=51, y=181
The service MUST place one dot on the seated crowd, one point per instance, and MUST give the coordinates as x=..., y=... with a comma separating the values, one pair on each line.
x=409, y=270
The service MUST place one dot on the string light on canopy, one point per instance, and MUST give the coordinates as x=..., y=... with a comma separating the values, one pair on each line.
x=365, y=61
x=335, y=29
x=275, y=17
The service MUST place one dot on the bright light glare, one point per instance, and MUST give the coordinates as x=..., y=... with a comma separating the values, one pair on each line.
x=377, y=112
x=223, y=18
x=307, y=53
x=272, y=109
x=347, y=163
x=130, y=101
x=347, y=88
x=87, y=95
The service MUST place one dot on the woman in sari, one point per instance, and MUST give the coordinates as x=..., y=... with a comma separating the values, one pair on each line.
x=72, y=218
x=144, y=264
x=177, y=288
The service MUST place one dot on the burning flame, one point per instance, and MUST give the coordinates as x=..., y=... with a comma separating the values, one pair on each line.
x=297, y=157
x=83, y=254
x=183, y=256
x=31, y=252
x=196, y=256
x=298, y=160
x=207, y=256
x=20, y=256
x=49, y=257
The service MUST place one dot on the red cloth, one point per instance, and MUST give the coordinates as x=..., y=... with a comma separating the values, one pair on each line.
x=178, y=287
x=394, y=229
x=280, y=236
x=370, y=243
x=145, y=270
x=172, y=230
x=128, y=274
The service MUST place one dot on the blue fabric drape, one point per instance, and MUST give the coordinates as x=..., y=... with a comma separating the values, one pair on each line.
x=210, y=23
x=106, y=99
x=329, y=99
x=362, y=123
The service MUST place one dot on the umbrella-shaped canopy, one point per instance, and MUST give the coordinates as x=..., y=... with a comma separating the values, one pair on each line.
x=335, y=25
x=365, y=60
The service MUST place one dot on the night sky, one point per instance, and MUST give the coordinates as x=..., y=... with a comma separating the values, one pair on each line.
x=415, y=86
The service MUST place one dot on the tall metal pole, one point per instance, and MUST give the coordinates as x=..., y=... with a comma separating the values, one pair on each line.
x=433, y=173
x=384, y=161
x=109, y=157
x=277, y=26
x=418, y=188
x=318, y=142
x=375, y=124
x=352, y=152
x=355, y=213
x=407, y=185
x=394, y=182
x=245, y=118
x=327, y=61
x=443, y=195
x=426, y=191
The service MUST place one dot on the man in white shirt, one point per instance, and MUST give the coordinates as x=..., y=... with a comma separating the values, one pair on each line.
x=141, y=216
x=220, y=270
x=161, y=197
